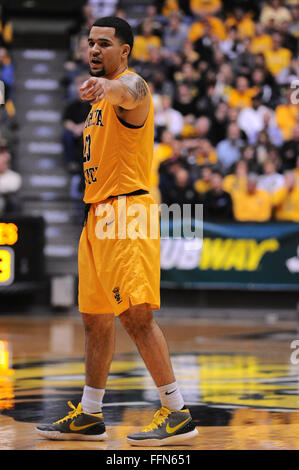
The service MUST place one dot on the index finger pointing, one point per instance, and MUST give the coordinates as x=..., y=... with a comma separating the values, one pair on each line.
x=88, y=83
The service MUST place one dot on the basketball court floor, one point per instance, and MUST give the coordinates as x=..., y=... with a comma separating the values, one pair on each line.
x=239, y=377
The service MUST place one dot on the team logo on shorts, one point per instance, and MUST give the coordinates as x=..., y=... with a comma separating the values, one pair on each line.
x=117, y=295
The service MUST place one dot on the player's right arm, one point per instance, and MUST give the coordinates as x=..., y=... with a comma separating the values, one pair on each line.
x=127, y=93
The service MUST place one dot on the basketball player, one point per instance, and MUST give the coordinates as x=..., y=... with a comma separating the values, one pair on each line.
x=119, y=276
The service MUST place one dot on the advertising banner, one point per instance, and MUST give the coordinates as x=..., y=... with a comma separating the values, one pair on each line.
x=233, y=255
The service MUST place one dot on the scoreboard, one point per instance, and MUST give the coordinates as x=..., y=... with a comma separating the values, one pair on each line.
x=22, y=263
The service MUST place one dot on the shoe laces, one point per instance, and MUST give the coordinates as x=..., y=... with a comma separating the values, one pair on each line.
x=71, y=414
x=159, y=417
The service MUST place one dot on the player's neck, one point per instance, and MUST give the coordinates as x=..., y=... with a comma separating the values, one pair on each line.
x=122, y=68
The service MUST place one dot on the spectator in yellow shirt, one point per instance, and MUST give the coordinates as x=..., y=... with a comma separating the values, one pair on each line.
x=261, y=42
x=162, y=151
x=169, y=7
x=273, y=14
x=277, y=58
x=236, y=181
x=286, y=200
x=6, y=30
x=287, y=116
x=242, y=21
x=203, y=184
x=241, y=96
x=205, y=8
x=252, y=205
x=144, y=42
x=206, y=154
x=168, y=148
x=211, y=26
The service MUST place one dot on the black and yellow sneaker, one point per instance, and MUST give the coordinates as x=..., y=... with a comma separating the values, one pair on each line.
x=167, y=428
x=77, y=425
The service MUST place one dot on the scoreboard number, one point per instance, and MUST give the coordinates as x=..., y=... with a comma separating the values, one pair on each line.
x=7, y=263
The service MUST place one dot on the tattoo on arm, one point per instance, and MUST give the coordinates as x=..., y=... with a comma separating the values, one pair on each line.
x=135, y=85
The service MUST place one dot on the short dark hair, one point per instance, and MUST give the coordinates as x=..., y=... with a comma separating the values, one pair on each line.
x=123, y=30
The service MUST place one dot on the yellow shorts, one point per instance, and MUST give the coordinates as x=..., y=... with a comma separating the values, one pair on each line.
x=119, y=256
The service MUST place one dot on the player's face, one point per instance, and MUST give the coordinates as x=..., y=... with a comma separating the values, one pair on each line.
x=105, y=51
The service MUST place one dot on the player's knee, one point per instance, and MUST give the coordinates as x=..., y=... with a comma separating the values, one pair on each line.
x=95, y=325
x=137, y=319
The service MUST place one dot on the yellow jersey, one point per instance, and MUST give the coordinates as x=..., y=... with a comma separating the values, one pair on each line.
x=209, y=6
x=261, y=44
x=234, y=183
x=276, y=61
x=218, y=29
x=202, y=186
x=287, y=204
x=117, y=157
x=286, y=117
x=245, y=27
x=236, y=99
x=143, y=45
x=256, y=207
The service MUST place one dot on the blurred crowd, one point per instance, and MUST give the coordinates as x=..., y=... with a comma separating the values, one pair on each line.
x=10, y=180
x=224, y=77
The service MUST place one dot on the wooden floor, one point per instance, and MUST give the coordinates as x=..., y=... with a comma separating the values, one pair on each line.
x=237, y=377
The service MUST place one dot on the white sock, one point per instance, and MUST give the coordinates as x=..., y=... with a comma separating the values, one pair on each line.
x=92, y=399
x=171, y=397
